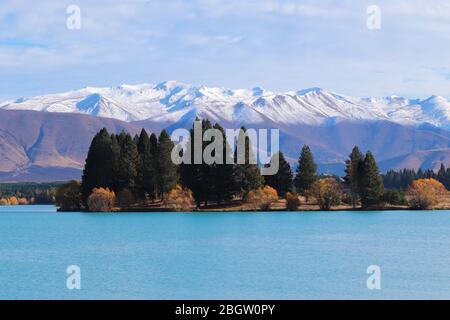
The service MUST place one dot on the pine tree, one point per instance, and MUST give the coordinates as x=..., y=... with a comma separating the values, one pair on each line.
x=222, y=174
x=352, y=178
x=247, y=175
x=147, y=170
x=282, y=180
x=443, y=176
x=115, y=159
x=198, y=177
x=155, y=157
x=167, y=171
x=127, y=164
x=371, y=182
x=306, y=172
x=98, y=167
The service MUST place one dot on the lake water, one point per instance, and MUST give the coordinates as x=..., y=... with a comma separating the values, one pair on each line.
x=315, y=255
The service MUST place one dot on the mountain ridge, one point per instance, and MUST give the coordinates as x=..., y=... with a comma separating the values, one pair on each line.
x=170, y=101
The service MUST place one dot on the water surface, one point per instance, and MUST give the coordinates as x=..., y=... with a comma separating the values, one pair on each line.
x=315, y=255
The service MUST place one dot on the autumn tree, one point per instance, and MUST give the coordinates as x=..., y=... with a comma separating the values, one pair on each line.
x=262, y=198
x=179, y=199
x=424, y=193
x=328, y=193
x=101, y=200
x=13, y=201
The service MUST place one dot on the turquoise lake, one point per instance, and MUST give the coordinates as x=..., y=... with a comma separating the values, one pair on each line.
x=317, y=255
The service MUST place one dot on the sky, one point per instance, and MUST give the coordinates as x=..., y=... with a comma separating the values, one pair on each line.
x=281, y=45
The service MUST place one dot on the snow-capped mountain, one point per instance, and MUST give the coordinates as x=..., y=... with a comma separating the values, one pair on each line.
x=172, y=102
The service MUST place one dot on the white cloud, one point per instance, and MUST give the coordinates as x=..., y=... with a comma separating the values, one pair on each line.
x=284, y=43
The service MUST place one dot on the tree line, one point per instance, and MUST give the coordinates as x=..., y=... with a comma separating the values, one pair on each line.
x=403, y=179
x=29, y=192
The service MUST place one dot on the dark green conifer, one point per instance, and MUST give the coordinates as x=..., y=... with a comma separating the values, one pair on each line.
x=282, y=180
x=167, y=171
x=247, y=174
x=371, y=182
x=306, y=172
x=98, y=167
x=126, y=164
x=352, y=178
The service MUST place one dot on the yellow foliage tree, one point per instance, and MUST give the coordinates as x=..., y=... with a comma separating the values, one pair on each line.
x=328, y=193
x=4, y=202
x=179, y=199
x=101, y=200
x=292, y=201
x=22, y=201
x=13, y=201
x=262, y=198
x=425, y=193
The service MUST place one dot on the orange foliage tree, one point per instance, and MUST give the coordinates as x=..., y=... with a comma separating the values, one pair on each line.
x=13, y=201
x=101, y=200
x=22, y=201
x=425, y=193
x=328, y=193
x=262, y=198
x=179, y=199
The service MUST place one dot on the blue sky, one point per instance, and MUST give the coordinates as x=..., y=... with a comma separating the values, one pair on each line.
x=276, y=44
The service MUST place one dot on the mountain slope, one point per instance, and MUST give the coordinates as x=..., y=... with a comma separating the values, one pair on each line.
x=48, y=146
x=42, y=146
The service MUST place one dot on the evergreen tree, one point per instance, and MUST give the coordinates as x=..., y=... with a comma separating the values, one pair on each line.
x=306, y=172
x=198, y=177
x=167, y=171
x=98, y=167
x=147, y=170
x=155, y=157
x=282, y=180
x=351, y=173
x=115, y=159
x=222, y=173
x=126, y=164
x=247, y=175
x=443, y=176
x=371, y=182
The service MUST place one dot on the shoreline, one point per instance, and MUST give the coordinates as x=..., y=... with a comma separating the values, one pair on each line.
x=274, y=210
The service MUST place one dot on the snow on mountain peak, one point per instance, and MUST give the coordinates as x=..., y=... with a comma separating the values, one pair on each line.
x=309, y=90
x=172, y=101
